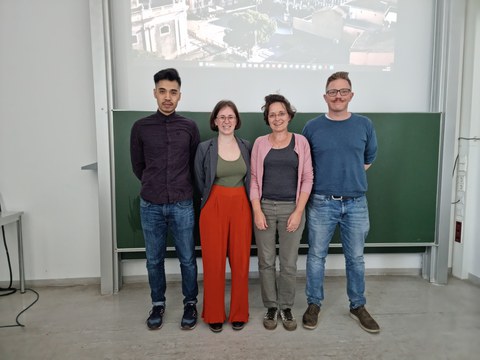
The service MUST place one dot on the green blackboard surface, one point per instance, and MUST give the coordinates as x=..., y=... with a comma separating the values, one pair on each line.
x=402, y=181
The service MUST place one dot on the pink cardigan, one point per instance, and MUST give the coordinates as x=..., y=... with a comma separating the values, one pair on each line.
x=262, y=146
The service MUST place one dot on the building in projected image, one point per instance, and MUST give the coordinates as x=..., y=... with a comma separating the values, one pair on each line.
x=160, y=27
x=312, y=34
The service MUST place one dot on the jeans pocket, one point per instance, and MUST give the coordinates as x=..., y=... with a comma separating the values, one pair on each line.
x=144, y=203
x=361, y=202
x=184, y=203
x=319, y=200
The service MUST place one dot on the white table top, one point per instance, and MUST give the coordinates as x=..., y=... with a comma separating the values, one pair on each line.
x=7, y=217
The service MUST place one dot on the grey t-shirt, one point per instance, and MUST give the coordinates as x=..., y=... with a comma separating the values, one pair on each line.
x=280, y=173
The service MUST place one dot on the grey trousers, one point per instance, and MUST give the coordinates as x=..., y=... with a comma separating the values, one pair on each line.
x=278, y=292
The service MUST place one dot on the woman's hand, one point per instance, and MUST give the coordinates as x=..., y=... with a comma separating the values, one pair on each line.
x=260, y=220
x=294, y=221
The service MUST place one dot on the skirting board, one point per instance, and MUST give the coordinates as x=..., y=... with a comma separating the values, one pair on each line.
x=177, y=277
x=474, y=279
x=300, y=274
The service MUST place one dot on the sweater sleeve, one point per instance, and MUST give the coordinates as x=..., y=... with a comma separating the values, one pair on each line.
x=306, y=183
x=254, y=185
x=371, y=146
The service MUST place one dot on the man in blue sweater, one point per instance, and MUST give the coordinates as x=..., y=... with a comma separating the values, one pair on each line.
x=343, y=146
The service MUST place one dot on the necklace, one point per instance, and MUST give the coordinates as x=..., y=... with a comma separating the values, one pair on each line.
x=280, y=143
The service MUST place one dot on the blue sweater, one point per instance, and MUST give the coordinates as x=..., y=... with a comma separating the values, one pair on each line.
x=340, y=149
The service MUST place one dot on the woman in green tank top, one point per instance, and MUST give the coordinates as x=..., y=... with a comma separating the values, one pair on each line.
x=222, y=174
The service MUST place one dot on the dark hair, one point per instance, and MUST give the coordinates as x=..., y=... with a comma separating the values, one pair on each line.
x=338, y=75
x=170, y=74
x=220, y=105
x=273, y=98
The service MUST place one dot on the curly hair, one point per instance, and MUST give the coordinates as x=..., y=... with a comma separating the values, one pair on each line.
x=274, y=98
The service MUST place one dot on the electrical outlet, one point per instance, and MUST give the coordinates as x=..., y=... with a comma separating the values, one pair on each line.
x=461, y=183
x=459, y=211
x=462, y=164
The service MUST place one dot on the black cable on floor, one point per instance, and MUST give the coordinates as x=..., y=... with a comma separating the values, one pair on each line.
x=21, y=312
x=11, y=290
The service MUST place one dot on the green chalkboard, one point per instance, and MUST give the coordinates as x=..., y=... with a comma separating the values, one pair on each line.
x=402, y=180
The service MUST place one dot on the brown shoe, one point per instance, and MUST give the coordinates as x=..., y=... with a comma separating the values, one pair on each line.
x=310, y=317
x=289, y=322
x=270, y=318
x=364, y=319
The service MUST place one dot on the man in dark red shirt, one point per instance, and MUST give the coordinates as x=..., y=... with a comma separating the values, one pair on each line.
x=162, y=149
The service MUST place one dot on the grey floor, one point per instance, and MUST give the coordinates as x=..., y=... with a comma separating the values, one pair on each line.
x=418, y=320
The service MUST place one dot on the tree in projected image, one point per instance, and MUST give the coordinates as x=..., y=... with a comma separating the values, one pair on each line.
x=249, y=29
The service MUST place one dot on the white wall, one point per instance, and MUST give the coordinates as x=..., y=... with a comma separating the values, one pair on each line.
x=47, y=132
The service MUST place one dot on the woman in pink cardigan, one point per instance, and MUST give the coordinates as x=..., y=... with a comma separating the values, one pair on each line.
x=281, y=182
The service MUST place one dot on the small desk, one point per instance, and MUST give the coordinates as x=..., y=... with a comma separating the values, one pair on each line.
x=7, y=217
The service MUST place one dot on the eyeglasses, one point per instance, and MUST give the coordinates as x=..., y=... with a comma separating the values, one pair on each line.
x=281, y=114
x=229, y=118
x=334, y=92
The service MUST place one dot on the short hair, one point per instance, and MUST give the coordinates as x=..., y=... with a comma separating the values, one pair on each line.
x=170, y=74
x=338, y=75
x=220, y=105
x=273, y=98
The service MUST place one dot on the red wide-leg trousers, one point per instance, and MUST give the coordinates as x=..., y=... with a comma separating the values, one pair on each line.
x=225, y=230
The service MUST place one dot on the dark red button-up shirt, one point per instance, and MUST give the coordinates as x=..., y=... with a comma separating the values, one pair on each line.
x=162, y=150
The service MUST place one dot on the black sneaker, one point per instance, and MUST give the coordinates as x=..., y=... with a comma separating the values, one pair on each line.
x=216, y=327
x=270, y=318
x=289, y=322
x=189, y=319
x=310, y=317
x=364, y=319
x=238, y=325
x=155, y=320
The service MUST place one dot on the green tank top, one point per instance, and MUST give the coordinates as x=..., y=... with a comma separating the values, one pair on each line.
x=230, y=173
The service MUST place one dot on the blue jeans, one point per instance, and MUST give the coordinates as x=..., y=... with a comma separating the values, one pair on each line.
x=323, y=215
x=156, y=221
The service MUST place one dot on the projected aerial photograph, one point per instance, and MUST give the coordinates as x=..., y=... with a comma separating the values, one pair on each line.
x=303, y=34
